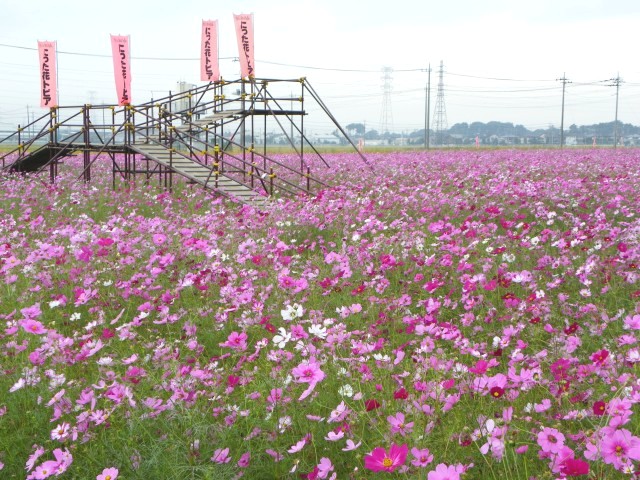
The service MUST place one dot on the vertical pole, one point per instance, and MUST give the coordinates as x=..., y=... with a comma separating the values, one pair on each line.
x=615, y=125
x=301, y=126
x=428, y=127
x=87, y=141
x=564, y=83
x=242, y=132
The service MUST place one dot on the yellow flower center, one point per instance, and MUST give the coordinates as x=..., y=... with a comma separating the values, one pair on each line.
x=618, y=450
x=108, y=477
x=387, y=462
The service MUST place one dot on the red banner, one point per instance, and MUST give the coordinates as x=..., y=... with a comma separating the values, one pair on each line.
x=122, y=68
x=209, y=66
x=48, y=75
x=244, y=32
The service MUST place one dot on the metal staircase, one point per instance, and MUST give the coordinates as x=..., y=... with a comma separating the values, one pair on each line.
x=209, y=176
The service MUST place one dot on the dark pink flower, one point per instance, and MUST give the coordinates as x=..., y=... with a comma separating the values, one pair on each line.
x=573, y=467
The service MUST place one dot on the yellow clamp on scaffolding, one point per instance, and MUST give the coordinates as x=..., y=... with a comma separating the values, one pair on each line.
x=216, y=149
x=216, y=164
x=302, y=79
x=172, y=128
x=172, y=150
x=301, y=99
x=243, y=96
x=204, y=152
x=272, y=175
x=189, y=95
x=112, y=107
x=113, y=129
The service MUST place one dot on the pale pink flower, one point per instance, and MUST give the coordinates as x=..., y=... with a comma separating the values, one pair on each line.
x=324, y=467
x=108, y=474
x=351, y=446
x=445, y=472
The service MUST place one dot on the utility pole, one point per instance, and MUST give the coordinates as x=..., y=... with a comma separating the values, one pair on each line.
x=616, y=83
x=564, y=83
x=427, y=108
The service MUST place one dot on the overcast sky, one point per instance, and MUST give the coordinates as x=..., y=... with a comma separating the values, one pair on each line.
x=501, y=58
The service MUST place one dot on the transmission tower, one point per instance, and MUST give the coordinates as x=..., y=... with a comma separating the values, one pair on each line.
x=440, y=114
x=386, y=116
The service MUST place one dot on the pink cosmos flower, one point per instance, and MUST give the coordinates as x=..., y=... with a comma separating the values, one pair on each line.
x=632, y=322
x=398, y=424
x=445, y=472
x=221, y=455
x=550, y=440
x=44, y=471
x=379, y=460
x=620, y=447
x=324, y=467
x=108, y=474
x=31, y=461
x=236, y=341
x=33, y=326
x=422, y=457
x=245, y=460
x=308, y=372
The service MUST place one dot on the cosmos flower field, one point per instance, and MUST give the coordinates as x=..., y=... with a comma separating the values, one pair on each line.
x=452, y=314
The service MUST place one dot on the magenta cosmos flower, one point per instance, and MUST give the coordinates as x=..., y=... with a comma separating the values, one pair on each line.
x=379, y=460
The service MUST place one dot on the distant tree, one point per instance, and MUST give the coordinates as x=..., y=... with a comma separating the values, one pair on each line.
x=356, y=128
x=372, y=135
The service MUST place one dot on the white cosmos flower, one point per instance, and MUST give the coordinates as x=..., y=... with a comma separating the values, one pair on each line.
x=282, y=339
x=318, y=331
